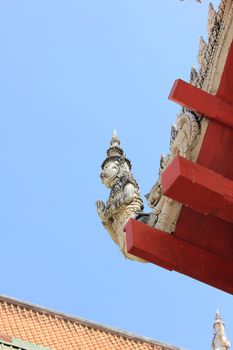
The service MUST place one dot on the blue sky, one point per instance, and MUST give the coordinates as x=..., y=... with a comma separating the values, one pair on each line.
x=71, y=72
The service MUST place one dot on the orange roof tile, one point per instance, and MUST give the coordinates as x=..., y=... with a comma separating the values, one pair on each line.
x=58, y=331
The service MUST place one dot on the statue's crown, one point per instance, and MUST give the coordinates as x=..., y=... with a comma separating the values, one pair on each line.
x=115, y=152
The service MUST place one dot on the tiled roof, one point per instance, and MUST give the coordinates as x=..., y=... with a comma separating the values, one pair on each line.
x=58, y=331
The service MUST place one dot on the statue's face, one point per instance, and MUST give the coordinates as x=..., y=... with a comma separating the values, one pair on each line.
x=109, y=173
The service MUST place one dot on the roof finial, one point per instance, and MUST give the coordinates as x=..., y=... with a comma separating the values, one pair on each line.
x=220, y=341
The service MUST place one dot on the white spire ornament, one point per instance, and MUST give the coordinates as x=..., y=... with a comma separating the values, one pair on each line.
x=220, y=341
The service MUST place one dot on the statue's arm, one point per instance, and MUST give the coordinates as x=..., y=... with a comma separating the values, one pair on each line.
x=129, y=191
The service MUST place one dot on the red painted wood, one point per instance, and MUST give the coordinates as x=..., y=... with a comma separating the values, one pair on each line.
x=210, y=232
x=199, y=188
x=212, y=107
x=225, y=90
x=166, y=250
x=216, y=154
x=148, y=253
x=207, y=232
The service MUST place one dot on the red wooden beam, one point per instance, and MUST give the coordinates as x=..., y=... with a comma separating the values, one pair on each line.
x=212, y=107
x=172, y=253
x=225, y=90
x=199, y=188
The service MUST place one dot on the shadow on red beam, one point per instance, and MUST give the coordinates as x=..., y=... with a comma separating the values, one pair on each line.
x=212, y=107
x=171, y=253
x=199, y=188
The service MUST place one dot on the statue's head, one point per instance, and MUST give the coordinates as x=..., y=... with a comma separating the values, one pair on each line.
x=115, y=165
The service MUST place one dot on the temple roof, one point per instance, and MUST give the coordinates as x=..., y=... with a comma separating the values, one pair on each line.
x=54, y=330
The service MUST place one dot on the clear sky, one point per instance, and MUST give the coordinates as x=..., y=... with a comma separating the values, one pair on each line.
x=70, y=72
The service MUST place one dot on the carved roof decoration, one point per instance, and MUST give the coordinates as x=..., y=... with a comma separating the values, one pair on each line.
x=218, y=23
x=188, y=133
x=59, y=331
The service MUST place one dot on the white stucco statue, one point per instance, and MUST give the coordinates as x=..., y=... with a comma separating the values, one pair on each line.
x=124, y=200
x=220, y=341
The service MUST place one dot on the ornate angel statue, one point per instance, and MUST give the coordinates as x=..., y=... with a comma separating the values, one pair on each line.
x=124, y=201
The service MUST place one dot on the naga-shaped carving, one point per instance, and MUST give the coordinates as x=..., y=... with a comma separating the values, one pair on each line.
x=184, y=136
x=124, y=201
x=220, y=341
